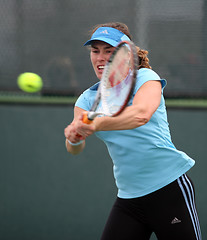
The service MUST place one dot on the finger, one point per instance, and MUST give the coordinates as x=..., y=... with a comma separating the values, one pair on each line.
x=68, y=130
x=84, y=133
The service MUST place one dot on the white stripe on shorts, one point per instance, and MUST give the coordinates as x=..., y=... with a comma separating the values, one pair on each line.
x=188, y=193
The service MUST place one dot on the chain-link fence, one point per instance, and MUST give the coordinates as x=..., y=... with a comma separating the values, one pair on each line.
x=47, y=36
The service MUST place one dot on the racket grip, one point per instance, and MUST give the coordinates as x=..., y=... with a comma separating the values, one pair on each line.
x=85, y=119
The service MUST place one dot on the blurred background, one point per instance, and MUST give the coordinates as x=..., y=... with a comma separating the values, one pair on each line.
x=47, y=37
x=45, y=192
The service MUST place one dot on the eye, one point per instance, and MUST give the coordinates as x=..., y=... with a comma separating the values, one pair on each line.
x=94, y=50
x=109, y=50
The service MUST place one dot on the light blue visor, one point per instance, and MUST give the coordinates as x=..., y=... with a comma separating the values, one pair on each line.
x=109, y=35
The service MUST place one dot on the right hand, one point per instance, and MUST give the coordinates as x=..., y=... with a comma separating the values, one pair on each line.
x=78, y=130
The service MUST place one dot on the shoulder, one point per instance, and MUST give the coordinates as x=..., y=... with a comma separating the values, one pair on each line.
x=145, y=75
x=86, y=99
x=148, y=73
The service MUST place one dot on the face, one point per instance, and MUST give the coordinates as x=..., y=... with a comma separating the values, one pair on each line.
x=100, y=54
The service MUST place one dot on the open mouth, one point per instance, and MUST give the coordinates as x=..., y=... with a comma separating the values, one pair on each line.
x=100, y=67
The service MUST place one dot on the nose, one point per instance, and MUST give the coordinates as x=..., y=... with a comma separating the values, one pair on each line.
x=101, y=57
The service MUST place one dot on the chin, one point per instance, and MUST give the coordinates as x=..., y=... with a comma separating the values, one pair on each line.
x=99, y=76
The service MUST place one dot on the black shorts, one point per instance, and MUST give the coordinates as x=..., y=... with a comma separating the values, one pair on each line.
x=169, y=212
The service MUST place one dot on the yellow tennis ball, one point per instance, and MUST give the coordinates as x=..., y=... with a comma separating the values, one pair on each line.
x=29, y=82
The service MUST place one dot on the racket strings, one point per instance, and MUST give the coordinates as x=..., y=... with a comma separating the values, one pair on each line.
x=118, y=81
x=119, y=70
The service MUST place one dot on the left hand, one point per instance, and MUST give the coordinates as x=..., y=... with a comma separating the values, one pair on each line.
x=83, y=129
x=78, y=129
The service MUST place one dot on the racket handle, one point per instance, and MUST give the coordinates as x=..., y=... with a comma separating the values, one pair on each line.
x=85, y=119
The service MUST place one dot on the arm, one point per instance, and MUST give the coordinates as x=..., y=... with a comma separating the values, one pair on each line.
x=74, y=149
x=71, y=134
x=145, y=103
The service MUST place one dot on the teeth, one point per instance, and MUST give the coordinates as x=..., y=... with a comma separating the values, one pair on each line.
x=101, y=67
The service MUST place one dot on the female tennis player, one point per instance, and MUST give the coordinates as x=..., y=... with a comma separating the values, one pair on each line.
x=154, y=192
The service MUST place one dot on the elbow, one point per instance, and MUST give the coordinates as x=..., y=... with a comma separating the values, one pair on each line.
x=142, y=119
x=145, y=120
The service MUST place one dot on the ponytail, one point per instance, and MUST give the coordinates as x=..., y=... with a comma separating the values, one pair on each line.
x=143, y=59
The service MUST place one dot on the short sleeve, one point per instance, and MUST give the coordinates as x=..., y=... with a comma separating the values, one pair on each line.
x=145, y=75
x=82, y=101
x=86, y=99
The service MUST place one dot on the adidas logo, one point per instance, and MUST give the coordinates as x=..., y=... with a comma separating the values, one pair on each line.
x=175, y=220
x=104, y=32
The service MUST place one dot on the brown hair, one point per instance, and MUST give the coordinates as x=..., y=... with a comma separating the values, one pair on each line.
x=143, y=59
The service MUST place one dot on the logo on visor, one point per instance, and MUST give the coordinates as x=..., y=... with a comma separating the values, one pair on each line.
x=104, y=32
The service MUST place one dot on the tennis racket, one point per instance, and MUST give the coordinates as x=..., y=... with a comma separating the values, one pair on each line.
x=117, y=82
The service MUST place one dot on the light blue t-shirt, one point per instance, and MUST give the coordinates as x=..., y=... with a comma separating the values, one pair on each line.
x=144, y=158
